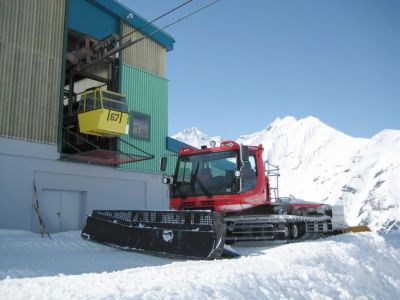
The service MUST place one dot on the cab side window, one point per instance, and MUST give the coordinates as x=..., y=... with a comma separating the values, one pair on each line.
x=249, y=174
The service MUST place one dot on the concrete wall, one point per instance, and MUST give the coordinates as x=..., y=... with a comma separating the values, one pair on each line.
x=67, y=191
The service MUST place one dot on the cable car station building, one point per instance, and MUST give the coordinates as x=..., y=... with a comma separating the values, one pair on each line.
x=81, y=122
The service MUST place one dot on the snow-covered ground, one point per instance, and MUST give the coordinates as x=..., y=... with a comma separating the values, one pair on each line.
x=351, y=266
x=321, y=164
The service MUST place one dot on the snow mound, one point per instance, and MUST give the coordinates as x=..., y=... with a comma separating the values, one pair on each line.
x=321, y=164
x=364, y=266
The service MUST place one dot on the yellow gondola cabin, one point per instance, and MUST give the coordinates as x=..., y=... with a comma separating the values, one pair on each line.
x=103, y=113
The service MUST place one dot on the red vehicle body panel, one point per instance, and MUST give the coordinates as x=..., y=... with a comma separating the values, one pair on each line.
x=260, y=195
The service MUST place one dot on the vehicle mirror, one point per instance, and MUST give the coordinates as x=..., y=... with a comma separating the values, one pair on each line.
x=163, y=164
x=245, y=153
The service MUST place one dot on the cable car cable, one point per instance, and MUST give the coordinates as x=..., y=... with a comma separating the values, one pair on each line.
x=130, y=43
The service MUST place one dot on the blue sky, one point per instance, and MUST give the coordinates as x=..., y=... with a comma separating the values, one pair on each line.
x=238, y=65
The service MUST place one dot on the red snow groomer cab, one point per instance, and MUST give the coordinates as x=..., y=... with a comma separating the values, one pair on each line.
x=217, y=179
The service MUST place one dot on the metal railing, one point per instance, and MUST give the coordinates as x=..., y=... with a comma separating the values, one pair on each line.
x=272, y=171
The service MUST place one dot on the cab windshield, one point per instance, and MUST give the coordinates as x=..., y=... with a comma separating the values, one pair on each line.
x=206, y=174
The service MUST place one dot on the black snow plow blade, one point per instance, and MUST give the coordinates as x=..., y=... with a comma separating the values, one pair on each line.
x=189, y=234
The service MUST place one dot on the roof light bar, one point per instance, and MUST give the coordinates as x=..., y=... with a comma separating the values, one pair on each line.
x=229, y=144
x=185, y=150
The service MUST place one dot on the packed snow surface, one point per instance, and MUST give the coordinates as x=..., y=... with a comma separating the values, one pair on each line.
x=321, y=164
x=350, y=266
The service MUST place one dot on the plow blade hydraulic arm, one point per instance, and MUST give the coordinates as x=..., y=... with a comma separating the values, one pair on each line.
x=189, y=234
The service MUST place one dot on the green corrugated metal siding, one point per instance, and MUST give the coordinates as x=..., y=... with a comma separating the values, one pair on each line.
x=31, y=45
x=147, y=94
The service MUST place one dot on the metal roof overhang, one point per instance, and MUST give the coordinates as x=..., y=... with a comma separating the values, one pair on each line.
x=174, y=145
x=136, y=21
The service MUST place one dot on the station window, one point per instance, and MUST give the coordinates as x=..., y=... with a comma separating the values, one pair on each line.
x=139, y=125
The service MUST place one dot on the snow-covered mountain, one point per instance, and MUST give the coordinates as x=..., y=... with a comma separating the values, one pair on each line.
x=194, y=137
x=320, y=163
